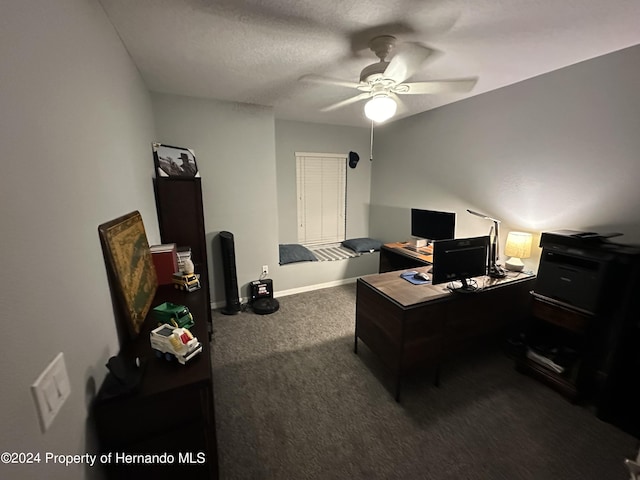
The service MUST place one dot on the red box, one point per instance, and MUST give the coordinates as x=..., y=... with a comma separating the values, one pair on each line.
x=165, y=259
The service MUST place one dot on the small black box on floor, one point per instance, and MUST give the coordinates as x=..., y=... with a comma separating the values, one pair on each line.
x=261, y=289
x=262, y=301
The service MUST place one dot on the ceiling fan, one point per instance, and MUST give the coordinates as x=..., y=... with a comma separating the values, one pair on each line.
x=383, y=81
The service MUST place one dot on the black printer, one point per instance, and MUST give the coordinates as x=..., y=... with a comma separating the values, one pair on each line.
x=574, y=266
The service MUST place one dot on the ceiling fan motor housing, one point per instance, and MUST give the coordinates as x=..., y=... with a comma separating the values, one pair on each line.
x=371, y=70
x=381, y=46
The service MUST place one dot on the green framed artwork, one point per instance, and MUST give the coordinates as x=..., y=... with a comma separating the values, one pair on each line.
x=130, y=266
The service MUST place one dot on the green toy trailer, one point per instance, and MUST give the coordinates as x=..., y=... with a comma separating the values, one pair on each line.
x=172, y=314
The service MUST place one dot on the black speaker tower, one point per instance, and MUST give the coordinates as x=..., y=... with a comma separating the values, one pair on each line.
x=230, y=278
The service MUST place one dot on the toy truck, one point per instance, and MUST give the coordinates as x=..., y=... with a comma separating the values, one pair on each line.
x=172, y=314
x=170, y=342
x=187, y=282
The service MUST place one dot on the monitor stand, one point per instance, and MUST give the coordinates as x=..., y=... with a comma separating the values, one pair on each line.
x=466, y=287
x=496, y=271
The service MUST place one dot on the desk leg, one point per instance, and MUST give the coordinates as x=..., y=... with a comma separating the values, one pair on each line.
x=355, y=344
x=436, y=378
x=399, y=373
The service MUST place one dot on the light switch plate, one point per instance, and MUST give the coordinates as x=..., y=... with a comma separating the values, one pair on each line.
x=51, y=390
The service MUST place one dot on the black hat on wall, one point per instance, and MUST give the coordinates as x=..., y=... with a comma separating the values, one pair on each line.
x=353, y=159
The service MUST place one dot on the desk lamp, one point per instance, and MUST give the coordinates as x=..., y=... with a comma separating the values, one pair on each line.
x=518, y=246
x=495, y=270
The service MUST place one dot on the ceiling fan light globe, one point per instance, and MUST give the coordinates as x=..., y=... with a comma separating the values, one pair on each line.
x=380, y=108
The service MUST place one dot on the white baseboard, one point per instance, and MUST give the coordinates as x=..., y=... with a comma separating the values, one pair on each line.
x=293, y=291
x=310, y=288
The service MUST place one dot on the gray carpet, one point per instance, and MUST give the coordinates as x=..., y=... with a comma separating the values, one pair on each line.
x=294, y=402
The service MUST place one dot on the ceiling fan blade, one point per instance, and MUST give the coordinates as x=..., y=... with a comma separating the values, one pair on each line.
x=346, y=102
x=329, y=81
x=408, y=59
x=436, y=86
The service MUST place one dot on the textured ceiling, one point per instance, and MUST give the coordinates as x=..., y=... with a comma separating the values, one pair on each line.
x=255, y=51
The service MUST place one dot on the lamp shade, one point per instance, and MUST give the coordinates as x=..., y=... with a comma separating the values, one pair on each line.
x=380, y=108
x=518, y=246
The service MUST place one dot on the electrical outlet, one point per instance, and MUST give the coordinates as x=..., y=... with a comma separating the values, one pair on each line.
x=265, y=269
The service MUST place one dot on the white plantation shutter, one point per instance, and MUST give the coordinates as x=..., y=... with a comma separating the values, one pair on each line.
x=322, y=197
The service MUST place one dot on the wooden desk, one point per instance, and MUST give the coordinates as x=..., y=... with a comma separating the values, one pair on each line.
x=395, y=256
x=407, y=325
x=171, y=412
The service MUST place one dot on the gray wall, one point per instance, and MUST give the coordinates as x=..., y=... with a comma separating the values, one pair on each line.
x=247, y=164
x=235, y=151
x=556, y=151
x=75, y=145
x=294, y=137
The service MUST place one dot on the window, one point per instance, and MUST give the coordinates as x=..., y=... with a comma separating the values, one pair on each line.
x=322, y=197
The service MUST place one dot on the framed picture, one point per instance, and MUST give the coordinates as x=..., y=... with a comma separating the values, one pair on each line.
x=130, y=267
x=174, y=161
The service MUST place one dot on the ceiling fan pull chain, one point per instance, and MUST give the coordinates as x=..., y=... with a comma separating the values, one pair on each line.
x=371, y=154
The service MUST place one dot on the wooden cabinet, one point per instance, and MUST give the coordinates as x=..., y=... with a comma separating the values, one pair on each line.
x=170, y=412
x=583, y=301
x=165, y=427
x=561, y=316
x=559, y=347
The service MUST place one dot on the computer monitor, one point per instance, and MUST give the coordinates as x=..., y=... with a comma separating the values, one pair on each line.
x=460, y=259
x=432, y=225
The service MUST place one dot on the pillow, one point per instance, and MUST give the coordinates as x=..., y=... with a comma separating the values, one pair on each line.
x=293, y=252
x=362, y=245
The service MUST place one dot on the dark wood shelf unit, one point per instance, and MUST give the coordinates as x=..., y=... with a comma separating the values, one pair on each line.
x=564, y=386
x=565, y=327
x=181, y=216
x=582, y=303
x=181, y=219
x=172, y=409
